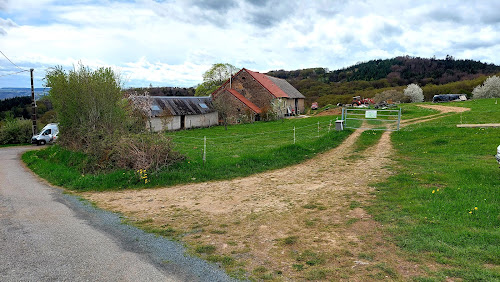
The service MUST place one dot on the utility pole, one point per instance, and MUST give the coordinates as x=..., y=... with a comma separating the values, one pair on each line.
x=33, y=104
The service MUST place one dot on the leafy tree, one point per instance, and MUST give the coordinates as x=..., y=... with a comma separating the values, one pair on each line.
x=16, y=131
x=414, y=92
x=214, y=78
x=87, y=104
x=96, y=119
x=489, y=89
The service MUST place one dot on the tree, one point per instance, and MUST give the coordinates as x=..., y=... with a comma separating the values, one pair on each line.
x=414, y=92
x=95, y=118
x=214, y=78
x=391, y=94
x=87, y=104
x=489, y=89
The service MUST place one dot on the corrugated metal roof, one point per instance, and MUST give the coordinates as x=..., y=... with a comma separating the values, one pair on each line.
x=245, y=101
x=185, y=105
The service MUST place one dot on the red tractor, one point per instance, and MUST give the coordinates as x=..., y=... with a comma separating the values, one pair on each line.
x=358, y=101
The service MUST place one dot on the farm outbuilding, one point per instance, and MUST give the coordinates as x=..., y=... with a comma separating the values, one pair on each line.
x=174, y=113
x=249, y=95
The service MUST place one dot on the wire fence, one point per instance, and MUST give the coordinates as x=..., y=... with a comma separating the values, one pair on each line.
x=234, y=146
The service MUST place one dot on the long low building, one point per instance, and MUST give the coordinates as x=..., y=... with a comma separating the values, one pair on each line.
x=174, y=113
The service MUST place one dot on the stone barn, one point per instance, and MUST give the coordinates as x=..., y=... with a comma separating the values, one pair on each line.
x=248, y=95
x=174, y=113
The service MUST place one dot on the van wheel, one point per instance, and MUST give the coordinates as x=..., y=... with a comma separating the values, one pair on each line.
x=41, y=142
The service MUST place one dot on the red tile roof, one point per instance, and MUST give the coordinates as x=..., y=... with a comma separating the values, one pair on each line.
x=268, y=84
x=245, y=101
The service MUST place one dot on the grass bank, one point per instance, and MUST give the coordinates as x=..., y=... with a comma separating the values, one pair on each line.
x=443, y=205
x=212, y=154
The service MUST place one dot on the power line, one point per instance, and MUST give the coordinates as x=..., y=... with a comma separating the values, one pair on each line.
x=13, y=72
x=12, y=62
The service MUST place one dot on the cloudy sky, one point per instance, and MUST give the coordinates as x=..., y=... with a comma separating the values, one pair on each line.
x=172, y=42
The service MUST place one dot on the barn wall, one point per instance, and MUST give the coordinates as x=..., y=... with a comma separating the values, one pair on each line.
x=236, y=110
x=205, y=120
x=247, y=86
x=174, y=124
x=291, y=103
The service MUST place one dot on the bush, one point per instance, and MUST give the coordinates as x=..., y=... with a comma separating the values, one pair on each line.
x=87, y=104
x=489, y=89
x=144, y=151
x=393, y=95
x=16, y=131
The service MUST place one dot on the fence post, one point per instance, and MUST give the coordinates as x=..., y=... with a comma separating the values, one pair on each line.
x=204, y=149
x=399, y=117
x=330, y=126
x=294, y=135
x=318, y=129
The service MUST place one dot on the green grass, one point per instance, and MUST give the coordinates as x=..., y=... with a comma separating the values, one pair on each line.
x=444, y=174
x=242, y=150
x=409, y=111
x=367, y=139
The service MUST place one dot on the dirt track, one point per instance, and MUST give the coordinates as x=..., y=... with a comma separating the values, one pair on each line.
x=320, y=202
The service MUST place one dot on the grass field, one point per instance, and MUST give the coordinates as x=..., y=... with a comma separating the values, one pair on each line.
x=443, y=206
x=440, y=206
x=240, y=150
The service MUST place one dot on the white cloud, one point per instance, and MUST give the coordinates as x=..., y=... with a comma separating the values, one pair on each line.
x=173, y=42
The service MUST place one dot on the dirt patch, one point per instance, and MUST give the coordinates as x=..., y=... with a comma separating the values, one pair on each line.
x=301, y=222
x=445, y=109
x=330, y=112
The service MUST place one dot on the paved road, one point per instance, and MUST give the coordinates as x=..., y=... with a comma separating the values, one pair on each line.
x=46, y=235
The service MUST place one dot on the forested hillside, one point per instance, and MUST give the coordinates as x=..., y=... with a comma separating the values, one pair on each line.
x=435, y=76
x=165, y=91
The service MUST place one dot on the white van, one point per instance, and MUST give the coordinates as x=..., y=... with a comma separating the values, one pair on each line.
x=47, y=135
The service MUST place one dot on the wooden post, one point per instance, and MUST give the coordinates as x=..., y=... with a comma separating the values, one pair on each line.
x=33, y=105
x=204, y=149
x=294, y=135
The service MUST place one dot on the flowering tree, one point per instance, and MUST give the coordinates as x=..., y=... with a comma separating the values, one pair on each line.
x=489, y=89
x=141, y=104
x=415, y=93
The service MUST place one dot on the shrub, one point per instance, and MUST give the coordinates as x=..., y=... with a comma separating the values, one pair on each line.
x=87, y=104
x=414, y=92
x=394, y=95
x=16, y=131
x=489, y=89
x=140, y=151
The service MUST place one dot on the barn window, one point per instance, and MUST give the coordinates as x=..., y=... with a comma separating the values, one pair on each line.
x=203, y=106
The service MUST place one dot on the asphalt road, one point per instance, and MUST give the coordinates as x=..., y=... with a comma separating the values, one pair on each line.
x=46, y=235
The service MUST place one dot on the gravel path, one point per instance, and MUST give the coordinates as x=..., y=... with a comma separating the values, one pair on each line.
x=46, y=235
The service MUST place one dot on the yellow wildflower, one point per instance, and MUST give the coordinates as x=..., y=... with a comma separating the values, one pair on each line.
x=433, y=191
x=475, y=208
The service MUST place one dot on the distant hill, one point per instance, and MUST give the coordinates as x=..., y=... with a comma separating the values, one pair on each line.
x=166, y=91
x=368, y=78
x=399, y=71
x=6, y=93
